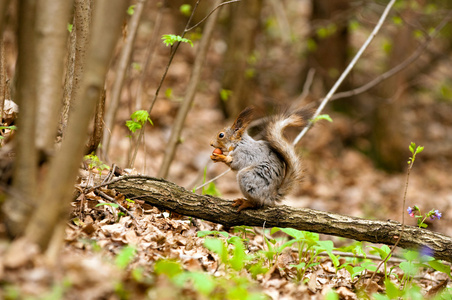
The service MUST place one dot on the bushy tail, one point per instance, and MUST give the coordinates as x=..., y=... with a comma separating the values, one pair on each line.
x=274, y=135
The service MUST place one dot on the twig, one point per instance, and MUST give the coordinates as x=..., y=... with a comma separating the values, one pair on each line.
x=403, y=220
x=213, y=179
x=415, y=55
x=157, y=91
x=148, y=61
x=189, y=95
x=211, y=12
x=307, y=85
x=346, y=71
x=121, y=208
x=120, y=74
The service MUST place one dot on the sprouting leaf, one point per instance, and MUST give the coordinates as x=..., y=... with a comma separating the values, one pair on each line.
x=170, y=39
x=131, y=10
x=323, y=117
x=225, y=94
x=185, y=9
x=138, y=118
x=169, y=93
x=69, y=27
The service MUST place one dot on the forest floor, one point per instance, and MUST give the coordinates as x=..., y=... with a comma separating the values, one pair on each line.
x=106, y=256
x=110, y=257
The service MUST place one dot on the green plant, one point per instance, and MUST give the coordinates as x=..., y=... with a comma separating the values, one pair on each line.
x=415, y=212
x=322, y=117
x=137, y=120
x=125, y=256
x=94, y=162
x=185, y=9
x=114, y=205
x=170, y=39
x=12, y=127
x=309, y=247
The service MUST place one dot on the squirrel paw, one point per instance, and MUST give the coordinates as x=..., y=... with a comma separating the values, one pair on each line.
x=217, y=157
x=242, y=203
x=221, y=158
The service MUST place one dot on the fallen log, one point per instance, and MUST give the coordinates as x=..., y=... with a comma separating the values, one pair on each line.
x=167, y=195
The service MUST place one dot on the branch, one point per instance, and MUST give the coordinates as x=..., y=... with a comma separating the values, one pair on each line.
x=415, y=55
x=167, y=195
x=347, y=70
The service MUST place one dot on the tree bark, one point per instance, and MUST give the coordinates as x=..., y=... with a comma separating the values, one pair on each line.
x=51, y=38
x=18, y=207
x=76, y=60
x=167, y=195
x=58, y=186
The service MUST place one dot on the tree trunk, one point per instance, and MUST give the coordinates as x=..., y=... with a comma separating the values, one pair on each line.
x=329, y=57
x=76, y=58
x=18, y=207
x=51, y=37
x=389, y=141
x=244, y=25
x=3, y=8
x=167, y=195
x=58, y=187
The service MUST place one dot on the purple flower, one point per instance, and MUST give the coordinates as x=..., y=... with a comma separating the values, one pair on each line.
x=436, y=214
x=410, y=211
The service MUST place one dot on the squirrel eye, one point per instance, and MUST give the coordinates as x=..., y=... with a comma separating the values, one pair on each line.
x=221, y=135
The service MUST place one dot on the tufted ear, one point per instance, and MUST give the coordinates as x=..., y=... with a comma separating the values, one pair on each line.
x=243, y=119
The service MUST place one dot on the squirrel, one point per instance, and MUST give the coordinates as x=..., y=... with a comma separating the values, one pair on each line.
x=267, y=169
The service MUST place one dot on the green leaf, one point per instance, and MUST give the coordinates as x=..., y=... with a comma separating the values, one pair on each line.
x=397, y=20
x=168, y=267
x=70, y=27
x=203, y=233
x=170, y=39
x=217, y=246
x=439, y=266
x=296, y=234
x=409, y=268
x=411, y=255
x=211, y=190
x=202, y=282
x=322, y=117
x=115, y=205
x=225, y=94
x=392, y=291
x=419, y=149
x=383, y=251
x=125, y=257
x=131, y=10
x=238, y=257
x=411, y=147
x=185, y=9
x=328, y=246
